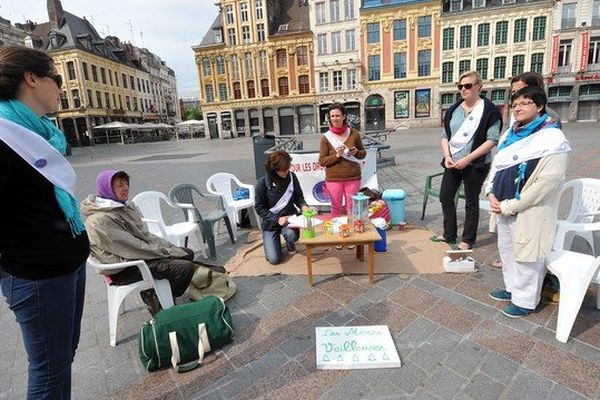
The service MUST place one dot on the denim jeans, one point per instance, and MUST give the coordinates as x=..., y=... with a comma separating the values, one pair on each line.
x=49, y=312
x=272, y=243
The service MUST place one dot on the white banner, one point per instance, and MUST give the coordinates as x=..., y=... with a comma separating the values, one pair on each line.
x=312, y=176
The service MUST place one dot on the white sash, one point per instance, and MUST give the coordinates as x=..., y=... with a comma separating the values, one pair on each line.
x=335, y=142
x=467, y=129
x=283, y=200
x=542, y=143
x=38, y=153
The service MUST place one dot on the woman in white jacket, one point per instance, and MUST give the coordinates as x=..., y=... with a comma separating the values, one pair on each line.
x=523, y=189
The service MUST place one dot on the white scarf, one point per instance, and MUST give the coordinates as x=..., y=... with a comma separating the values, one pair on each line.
x=335, y=142
x=540, y=144
x=38, y=153
x=283, y=200
x=467, y=129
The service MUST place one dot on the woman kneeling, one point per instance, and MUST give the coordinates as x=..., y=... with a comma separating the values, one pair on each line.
x=278, y=196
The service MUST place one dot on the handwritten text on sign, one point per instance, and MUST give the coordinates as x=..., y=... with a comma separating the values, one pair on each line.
x=355, y=347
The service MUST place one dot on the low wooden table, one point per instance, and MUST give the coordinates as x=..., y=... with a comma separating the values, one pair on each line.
x=368, y=237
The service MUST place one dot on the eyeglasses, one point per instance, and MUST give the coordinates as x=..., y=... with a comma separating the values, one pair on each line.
x=467, y=86
x=57, y=79
x=521, y=104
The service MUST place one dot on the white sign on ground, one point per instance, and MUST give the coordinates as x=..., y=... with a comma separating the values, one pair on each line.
x=312, y=176
x=356, y=347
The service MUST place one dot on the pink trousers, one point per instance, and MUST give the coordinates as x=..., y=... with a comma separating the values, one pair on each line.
x=340, y=190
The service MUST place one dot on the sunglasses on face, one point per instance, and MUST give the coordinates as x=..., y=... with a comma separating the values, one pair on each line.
x=466, y=86
x=57, y=79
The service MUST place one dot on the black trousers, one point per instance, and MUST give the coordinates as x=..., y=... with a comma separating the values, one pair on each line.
x=473, y=179
x=178, y=271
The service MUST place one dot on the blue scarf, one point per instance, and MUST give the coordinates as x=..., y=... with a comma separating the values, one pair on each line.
x=517, y=133
x=19, y=113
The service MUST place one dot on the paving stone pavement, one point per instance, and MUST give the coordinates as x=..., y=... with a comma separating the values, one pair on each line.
x=453, y=341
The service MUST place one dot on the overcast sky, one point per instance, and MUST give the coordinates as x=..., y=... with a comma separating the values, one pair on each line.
x=169, y=27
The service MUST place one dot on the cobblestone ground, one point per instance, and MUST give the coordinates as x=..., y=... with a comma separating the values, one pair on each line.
x=452, y=338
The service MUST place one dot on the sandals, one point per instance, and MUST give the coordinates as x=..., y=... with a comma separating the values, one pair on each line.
x=440, y=239
x=457, y=246
x=496, y=263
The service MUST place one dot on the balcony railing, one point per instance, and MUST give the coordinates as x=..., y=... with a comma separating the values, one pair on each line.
x=593, y=67
x=567, y=23
x=596, y=20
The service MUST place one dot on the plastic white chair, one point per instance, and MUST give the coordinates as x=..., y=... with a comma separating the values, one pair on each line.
x=116, y=293
x=585, y=205
x=149, y=205
x=574, y=271
x=220, y=184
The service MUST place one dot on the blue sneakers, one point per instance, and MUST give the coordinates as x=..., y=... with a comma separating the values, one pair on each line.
x=500, y=295
x=514, y=311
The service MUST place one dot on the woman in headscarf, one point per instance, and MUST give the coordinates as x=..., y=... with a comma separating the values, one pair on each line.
x=42, y=236
x=524, y=190
x=278, y=196
x=340, y=151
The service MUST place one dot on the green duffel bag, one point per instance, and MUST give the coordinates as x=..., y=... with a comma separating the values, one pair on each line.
x=180, y=336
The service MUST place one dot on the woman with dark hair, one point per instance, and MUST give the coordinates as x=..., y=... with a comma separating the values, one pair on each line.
x=278, y=195
x=340, y=153
x=42, y=236
x=471, y=129
x=523, y=188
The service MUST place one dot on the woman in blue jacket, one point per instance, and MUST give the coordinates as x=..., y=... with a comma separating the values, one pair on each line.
x=278, y=196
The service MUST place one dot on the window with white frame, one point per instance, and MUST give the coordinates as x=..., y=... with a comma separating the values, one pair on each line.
x=205, y=67
x=448, y=72
x=501, y=32
x=478, y=3
x=231, y=36
x=374, y=68
x=464, y=66
x=244, y=12
x=424, y=26
x=334, y=10
x=350, y=40
x=594, y=51
x=322, y=43
x=568, y=17
x=498, y=95
x=258, y=5
x=248, y=64
x=245, y=34
x=399, y=29
x=208, y=90
x=520, y=34
x=447, y=99
x=351, y=79
x=564, y=53
x=465, y=36
x=348, y=9
x=324, y=81
x=263, y=63
x=223, y=91
x=337, y=81
x=539, y=28
x=424, y=62
x=260, y=32
x=448, y=39
x=483, y=34
x=500, y=68
x=596, y=13
x=320, y=12
x=456, y=5
x=229, y=14
x=336, y=42
x=235, y=68
x=220, y=62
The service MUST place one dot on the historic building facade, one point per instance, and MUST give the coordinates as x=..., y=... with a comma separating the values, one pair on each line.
x=336, y=31
x=400, y=56
x=498, y=38
x=574, y=51
x=104, y=80
x=10, y=34
x=256, y=72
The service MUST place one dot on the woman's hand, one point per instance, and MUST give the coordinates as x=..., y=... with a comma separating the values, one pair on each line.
x=448, y=162
x=494, y=204
x=340, y=151
x=282, y=221
x=305, y=208
x=461, y=164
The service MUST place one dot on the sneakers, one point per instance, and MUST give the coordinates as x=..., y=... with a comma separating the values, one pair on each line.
x=500, y=295
x=514, y=311
x=291, y=248
x=151, y=300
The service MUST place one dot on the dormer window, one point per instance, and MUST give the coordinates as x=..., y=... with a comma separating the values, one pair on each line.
x=57, y=39
x=218, y=35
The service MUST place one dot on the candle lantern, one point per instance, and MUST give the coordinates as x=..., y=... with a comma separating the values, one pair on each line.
x=360, y=208
x=359, y=226
x=309, y=229
x=328, y=228
x=345, y=231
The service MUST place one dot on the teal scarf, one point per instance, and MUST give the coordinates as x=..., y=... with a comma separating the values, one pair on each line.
x=19, y=113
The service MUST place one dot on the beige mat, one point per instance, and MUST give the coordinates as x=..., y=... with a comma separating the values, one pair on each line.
x=408, y=252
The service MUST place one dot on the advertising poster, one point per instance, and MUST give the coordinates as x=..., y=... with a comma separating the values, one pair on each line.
x=401, y=104
x=422, y=103
x=312, y=176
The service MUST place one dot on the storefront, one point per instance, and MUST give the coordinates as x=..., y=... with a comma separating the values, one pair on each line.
x=286, y=121
x=374, y=113
x=306, y=120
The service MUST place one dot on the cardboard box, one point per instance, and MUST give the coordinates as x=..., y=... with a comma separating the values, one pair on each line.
x=465, y=264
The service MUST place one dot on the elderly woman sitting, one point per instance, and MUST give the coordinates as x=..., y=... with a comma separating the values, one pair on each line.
x=117, y=233
x=524, y=190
